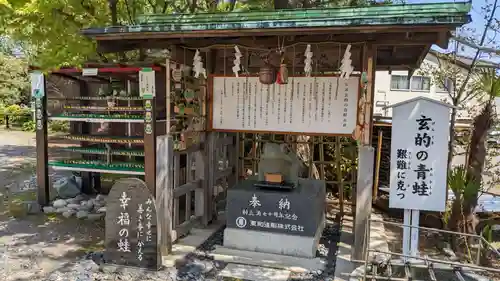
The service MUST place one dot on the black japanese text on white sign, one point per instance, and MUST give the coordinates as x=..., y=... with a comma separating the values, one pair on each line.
x=325, y=105
x=418, y=156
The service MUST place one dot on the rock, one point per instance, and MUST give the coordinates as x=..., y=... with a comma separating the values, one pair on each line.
x=85, y=206
x=59, y=203
x=33, y=207
x=73, y=206
x=62, y=210
x=82, y=214
x=68, y=213
x=66, y=187
x=94, y=217
x=102, y=210
x=98, y=205
x=49, y=210
x=72, y=201
x=101, y=198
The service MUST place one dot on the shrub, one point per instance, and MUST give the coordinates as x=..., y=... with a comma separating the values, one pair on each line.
x=59, y=126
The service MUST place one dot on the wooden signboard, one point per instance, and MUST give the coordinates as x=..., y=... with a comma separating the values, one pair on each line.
x=312, y=105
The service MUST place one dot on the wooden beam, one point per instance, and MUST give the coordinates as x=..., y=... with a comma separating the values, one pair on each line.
x=42, y=167
x=443, y=38
x=388, y=38
x=270, y=32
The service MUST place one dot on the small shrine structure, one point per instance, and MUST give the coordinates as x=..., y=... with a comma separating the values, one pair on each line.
x=302, y=78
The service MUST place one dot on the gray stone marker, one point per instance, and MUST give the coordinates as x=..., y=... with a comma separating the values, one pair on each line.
x=275, y=221
x=131, y=226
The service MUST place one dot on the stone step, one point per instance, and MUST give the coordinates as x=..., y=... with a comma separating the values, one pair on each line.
x=288, y=263
x=252, y=273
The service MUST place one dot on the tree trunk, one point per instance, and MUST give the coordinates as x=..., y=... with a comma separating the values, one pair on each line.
x=451, y=142
x=463, y=218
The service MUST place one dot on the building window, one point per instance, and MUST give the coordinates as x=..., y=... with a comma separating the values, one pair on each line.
x=420, y=83
x=400, y=82
x=446, y=88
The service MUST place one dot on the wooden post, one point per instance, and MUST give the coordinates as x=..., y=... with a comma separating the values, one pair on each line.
x=366, y=157
x=42, y=169
x=163, y=164
x=150, y=144
x=377, y=165
x=89, y=179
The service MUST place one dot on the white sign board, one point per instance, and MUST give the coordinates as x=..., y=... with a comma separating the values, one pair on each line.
x=37, y=85
x=304, y=105
x=419, y=153
x=147, y=87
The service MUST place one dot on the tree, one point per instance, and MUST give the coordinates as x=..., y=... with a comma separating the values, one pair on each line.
x=473, y=81
x=52, y=28
x=14, y=83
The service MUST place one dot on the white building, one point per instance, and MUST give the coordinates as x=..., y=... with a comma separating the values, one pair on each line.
x=393, y=87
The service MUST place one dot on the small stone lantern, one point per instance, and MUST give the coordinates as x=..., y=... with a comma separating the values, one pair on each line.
x=277, y=167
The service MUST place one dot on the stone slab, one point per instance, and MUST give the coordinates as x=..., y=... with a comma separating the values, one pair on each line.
x=274, y=243
x=296, y=212
x=293, y=264
x=253, y=273
x=131, y=226
x=188, y=244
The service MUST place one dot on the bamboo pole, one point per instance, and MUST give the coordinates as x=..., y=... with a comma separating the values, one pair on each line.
x=377, y=165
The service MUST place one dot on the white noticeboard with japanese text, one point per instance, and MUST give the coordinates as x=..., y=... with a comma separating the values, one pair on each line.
x=147, y=86
x=419, y=153
x=303, y=105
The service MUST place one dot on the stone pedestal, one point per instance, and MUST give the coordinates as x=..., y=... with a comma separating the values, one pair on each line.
x=273, y=221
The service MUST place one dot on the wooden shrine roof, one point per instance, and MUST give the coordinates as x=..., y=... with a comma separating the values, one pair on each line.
x=403, y=33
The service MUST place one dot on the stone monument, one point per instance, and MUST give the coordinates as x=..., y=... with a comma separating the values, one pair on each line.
x=131, y=226
x=287, y=221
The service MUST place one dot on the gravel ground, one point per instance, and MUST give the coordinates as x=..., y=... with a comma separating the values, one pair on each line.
x=49, y=248
x=197, y=266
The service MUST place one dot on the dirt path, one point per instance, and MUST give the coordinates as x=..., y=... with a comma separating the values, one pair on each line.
x=32, y=248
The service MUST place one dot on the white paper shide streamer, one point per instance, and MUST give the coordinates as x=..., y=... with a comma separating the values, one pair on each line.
x=237, y=61
x=308, y=61
x=346, y=66
x=198, y=65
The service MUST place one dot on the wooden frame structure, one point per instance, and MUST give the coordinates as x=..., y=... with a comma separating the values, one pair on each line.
x=392, y=37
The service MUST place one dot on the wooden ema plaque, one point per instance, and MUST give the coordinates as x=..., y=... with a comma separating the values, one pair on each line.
x=131, y=226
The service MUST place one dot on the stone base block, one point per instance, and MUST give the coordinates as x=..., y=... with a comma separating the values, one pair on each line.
x=273, y=243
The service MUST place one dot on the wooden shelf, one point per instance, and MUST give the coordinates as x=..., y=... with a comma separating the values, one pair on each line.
x=95, y=120
x=96, y=166
x=105, y=139
x=104, y=108
x=102, y=151
x=95, y=98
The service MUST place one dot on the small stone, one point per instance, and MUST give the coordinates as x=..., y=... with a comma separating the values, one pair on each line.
x=62, y=210
x=90, y=203
x=80, y=197
x=72, y=201
x=94, y=217
x=33, y=207
x=101, y=198
x=59, y=203
x=85, y=206
x=68, y=214
x=73, y=206
x=102, y=210
x=98, y=205
x=49, y=210
x=82, y=214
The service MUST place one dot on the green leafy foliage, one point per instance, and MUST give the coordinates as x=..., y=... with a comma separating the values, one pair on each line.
x=14, y=81
x=51, y=29
x=462, y=188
